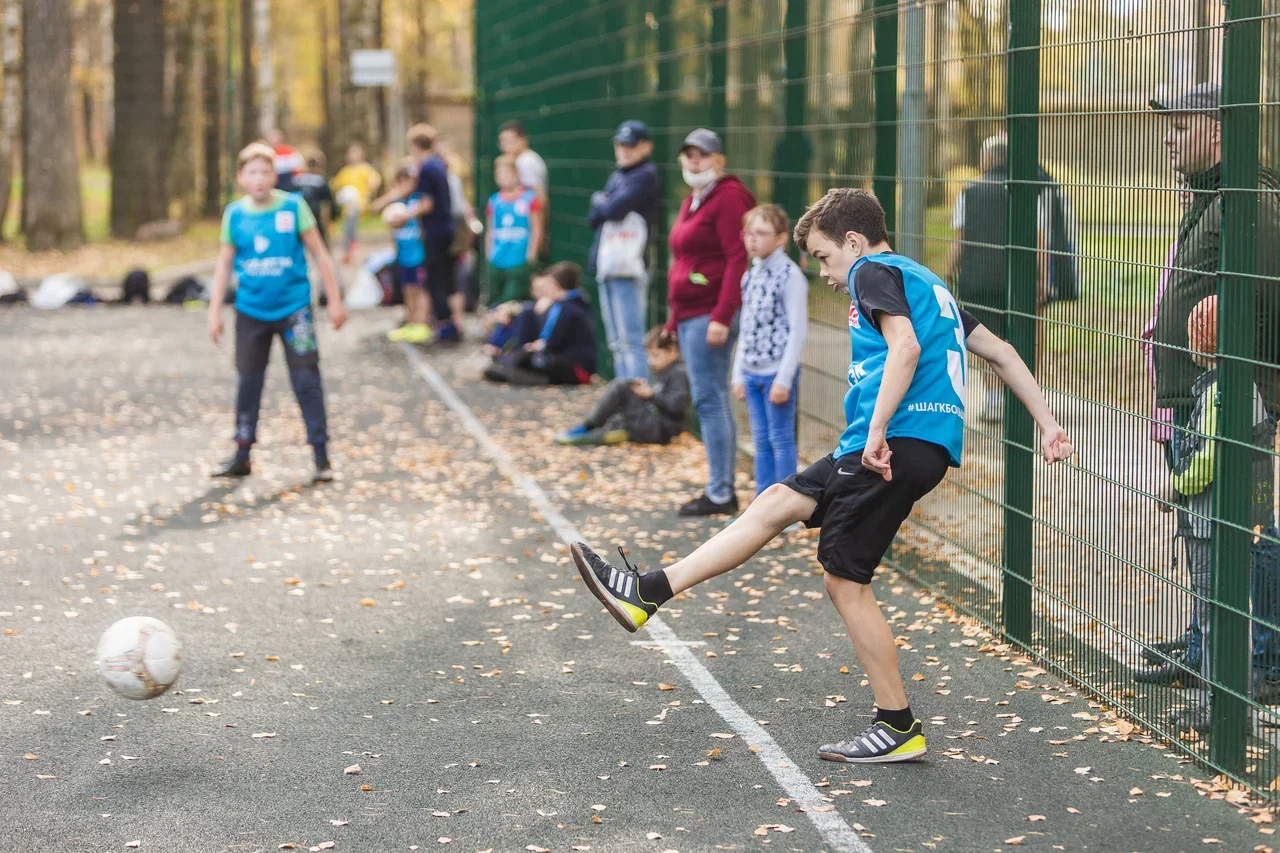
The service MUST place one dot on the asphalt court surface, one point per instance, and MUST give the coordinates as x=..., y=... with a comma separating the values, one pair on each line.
x=421, y=619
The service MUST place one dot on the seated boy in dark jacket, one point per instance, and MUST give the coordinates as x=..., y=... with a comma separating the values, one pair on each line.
x=552, y=341
x=632, y=409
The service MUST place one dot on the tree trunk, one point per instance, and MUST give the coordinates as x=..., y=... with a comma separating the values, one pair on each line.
x=326, y=89
x=265, y=65
x=138, y=150
x=50, y=167
x=357, y=122
x=381, y=93
x=178, y=151
x=249, y=130
x=11, y=67
x=211, y=94
x=416, y=98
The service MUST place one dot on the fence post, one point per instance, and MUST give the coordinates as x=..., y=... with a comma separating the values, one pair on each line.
x=718, y=112
x=480, y=120
x=795, y=51
x=1022, y=110
x=664, y=156
x=884, y=182
x=1241, y=66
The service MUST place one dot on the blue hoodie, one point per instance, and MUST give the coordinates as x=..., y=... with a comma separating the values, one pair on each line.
x=637, y=189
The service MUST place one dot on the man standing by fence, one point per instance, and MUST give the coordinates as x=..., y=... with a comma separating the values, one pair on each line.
x=1194, y=145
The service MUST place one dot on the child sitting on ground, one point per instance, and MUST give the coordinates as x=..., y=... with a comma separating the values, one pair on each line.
x=512, y=234
x=766, y=365
x=1193, y=472
x=552, y=340
x=634, y=410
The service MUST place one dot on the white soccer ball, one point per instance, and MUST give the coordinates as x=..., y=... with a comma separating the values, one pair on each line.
x=140, y=657
x=395, y=213
x=348, y=197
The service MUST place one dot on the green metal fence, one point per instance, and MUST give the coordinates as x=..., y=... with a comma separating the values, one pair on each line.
x=1074, y=563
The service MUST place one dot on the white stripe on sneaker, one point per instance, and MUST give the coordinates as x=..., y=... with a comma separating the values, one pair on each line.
x=613, y=577
x=871, y=747
x=627, y=592
x=884, y=739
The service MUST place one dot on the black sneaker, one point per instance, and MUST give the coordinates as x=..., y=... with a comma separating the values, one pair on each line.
x=881, y=743
x=617, y=588
x=324, y=472
x=1159, y=652
x=233, y=467
x=703, y=506
x=1194, y=719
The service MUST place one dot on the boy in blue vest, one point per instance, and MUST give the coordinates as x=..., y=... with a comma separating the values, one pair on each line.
x=905, y=416
x=265, y=236
x=513, y=233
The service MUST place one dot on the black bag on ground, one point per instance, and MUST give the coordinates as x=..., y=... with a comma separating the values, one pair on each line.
x=137, y=285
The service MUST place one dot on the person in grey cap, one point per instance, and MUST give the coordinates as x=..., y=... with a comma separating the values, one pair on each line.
x=630, y=199
x=1193, y=141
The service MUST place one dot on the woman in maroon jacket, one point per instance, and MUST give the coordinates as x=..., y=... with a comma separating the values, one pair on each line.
x=704, y=291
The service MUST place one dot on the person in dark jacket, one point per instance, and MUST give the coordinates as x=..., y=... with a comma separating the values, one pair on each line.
x=704, y=293
x=1194, y=144
x=978, y=259
x=552, y=340
x=631, y=196
x=313, y=186
x=632, y=409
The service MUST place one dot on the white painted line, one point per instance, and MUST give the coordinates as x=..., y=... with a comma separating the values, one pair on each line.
x=649, y=645
x=838, y=835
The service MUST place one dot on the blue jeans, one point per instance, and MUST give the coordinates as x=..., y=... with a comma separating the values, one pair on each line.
x=624, y=304
x=773, y=430
x=709, y=369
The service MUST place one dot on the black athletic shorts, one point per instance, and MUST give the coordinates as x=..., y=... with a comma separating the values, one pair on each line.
x=860, y=511
x=254, y=337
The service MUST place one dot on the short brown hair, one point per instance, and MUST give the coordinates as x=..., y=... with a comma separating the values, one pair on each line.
x=773, y=215
x=656, y=339
x=422, y=136
x=840, y=211
x=255, y=151
x=566, y=273
x=505, y=161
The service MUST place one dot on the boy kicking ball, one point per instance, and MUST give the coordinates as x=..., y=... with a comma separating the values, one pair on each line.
x=905, y=416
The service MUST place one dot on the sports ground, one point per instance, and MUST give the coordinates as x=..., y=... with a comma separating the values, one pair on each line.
x=406, y=658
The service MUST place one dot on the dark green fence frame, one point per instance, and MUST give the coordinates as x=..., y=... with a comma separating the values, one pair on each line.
x=1071, y=563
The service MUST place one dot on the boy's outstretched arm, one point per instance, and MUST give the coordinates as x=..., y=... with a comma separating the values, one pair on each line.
x=1055, y=445
x=337, y=311
x=899, y=369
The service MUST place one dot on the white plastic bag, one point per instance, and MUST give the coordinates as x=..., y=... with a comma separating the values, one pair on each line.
x=622, y=249
x=55, y=291
x=365, y=291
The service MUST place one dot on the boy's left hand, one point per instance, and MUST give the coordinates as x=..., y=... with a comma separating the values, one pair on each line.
x=642, y=389
x=536, y=346
x=337, y=315
x=876, y=455
x=779, y=395
x=1055, y=444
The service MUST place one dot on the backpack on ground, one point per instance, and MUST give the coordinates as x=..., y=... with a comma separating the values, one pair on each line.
x=137, y=285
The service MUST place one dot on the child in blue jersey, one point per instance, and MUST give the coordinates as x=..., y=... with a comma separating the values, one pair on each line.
x=905, y=415
x=411, y=260
x=513, y=231
x=265, y=236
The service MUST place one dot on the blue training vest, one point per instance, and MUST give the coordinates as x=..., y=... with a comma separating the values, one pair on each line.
x=411, y=253
x=510, y=229
x=933, y=407
x=271, y=262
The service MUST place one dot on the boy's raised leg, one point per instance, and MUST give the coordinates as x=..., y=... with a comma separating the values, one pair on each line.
x=633, y=597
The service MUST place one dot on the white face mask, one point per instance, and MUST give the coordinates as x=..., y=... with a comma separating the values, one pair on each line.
x=699, y=180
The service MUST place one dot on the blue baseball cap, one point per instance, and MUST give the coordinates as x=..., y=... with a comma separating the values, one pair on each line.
x=632, y=132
